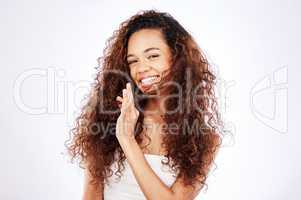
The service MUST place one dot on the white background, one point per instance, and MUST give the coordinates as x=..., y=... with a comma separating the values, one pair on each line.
x=48, y=54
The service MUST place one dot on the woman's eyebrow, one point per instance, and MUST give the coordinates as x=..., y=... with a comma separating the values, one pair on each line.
x=145, y=51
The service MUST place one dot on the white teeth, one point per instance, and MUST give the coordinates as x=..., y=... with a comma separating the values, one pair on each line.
x=148, y=80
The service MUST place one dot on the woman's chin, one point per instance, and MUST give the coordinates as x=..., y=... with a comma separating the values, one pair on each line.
x=149, y=90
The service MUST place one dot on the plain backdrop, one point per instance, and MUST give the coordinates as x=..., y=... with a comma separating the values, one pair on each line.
x=48, y=52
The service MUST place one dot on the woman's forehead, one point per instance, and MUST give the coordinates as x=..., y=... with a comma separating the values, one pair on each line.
x=146, y=39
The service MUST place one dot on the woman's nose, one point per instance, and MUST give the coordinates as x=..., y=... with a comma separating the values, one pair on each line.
x=144, y=66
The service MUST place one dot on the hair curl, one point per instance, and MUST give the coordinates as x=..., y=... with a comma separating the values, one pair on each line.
x=191, y=151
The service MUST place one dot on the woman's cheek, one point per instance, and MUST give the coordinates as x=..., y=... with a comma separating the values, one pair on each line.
x=133, y=76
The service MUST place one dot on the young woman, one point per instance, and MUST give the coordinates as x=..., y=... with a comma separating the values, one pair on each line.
x=150, y=128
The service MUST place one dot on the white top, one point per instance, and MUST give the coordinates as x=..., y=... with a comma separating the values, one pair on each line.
x=127, y=187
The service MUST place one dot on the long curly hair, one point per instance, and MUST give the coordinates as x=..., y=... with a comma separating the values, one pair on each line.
x=192, y=146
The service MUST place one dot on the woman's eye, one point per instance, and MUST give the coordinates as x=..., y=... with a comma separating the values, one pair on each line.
x=130, y=62
x=153, y=56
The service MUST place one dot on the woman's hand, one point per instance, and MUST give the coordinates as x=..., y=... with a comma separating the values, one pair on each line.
x=128, y=117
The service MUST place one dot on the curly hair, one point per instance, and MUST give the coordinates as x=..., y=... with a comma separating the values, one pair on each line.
x=191, y=149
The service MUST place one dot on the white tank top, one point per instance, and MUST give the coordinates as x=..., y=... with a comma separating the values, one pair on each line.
x=127, y=187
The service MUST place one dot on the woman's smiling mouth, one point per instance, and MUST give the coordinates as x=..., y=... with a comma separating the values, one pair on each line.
x=147, y=82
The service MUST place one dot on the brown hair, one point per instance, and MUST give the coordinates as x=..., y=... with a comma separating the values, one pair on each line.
x=191, y=149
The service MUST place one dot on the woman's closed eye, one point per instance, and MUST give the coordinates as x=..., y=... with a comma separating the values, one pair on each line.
x=153, y=56
x=132, y=61
x=149, y=57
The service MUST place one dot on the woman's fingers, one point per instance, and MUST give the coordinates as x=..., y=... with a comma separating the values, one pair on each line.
x=130, y=95
x=119, y=99
x=127, y=98
x=124, y=99
x=129, y=92
x=131, y=99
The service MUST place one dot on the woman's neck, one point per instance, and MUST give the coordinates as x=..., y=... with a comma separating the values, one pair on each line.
x=154, y=109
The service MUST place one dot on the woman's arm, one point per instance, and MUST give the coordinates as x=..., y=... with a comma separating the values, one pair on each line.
x=150, y=184
x=91, y=192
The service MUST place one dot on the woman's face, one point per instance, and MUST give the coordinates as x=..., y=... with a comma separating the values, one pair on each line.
x=148, y=57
